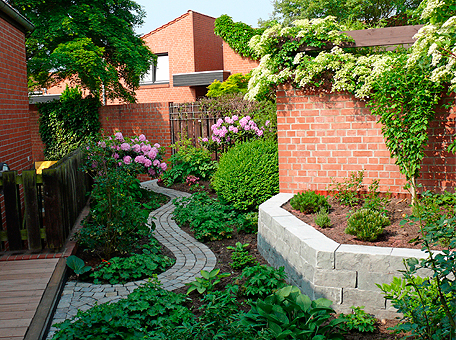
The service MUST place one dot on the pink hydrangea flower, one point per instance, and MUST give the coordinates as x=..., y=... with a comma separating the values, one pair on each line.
x=205, y=140
x=142, y=138
x=156, y=162
x=115, y=155
x=163, y=166
x=119, y=136
x=147, y=163
x=259, y=133
x=136, y=148
x=140, y=159
x=153, y=153
x=146, y=148
x=157, y=145
x=102, y=144
x=228, y=120
x=151, y=172
x=125, y=146
x=266, y=123
x=232, y=128
x=235, y=118
x=127, y=160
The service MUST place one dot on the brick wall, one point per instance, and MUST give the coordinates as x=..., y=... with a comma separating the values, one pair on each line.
x=37, y=143
x=150, y=119
x=15, y=143
x=236, y=63
x=207, y=46
x=324, y=136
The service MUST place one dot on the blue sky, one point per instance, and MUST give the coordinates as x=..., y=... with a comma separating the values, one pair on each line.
x=161, y=12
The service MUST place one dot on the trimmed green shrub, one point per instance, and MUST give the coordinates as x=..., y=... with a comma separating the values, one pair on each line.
x=248, y=174
x=309, y=202
x=322, y=218
x=366, y=224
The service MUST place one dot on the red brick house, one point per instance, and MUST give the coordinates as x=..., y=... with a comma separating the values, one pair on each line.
x=190, y=57
x=15, y=141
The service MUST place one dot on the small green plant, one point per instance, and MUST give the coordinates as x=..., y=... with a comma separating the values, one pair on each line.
x=366, y=224
x=240, y=256
x=322, y=218
x=359, y=320
x=206, y=283
x=373, y=200
x=289, y=314
x=188, y=161
x=77, y=265
x=136, y=267
x=347, y=192
x=309, y=202
x=260, y=281
x=249, y=224
x=209, y=218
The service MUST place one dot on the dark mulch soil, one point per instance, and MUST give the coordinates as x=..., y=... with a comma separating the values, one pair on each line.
x=224, y=259
x=394, y=235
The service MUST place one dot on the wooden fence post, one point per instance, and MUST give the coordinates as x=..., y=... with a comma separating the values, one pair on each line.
x=12, y=210
x=32, y=213
x=52, y=208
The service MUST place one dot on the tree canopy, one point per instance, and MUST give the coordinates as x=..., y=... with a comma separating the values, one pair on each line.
x=91, y=42
x=367, y=11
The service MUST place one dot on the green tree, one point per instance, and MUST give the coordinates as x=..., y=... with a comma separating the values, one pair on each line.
x=90, y=42
x=368, y=11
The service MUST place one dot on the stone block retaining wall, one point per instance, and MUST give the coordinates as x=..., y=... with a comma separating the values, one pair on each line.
x=320, y=267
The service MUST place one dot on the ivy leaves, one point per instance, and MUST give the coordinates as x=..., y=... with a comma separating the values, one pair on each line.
x=405, y=99
x=237, y=35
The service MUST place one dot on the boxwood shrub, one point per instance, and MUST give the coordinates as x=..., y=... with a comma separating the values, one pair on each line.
x=248, y=174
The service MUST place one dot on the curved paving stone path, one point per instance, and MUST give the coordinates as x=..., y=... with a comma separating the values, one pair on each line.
x=191, y=257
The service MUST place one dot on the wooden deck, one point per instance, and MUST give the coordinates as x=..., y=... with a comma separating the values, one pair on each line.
x=22, y=286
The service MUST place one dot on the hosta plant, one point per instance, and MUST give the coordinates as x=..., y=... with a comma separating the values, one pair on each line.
x=289, y=314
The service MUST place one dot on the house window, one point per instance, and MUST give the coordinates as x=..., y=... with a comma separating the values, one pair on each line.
x=158, y=74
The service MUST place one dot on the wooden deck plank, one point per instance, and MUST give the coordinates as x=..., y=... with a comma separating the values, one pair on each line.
x=22, y=285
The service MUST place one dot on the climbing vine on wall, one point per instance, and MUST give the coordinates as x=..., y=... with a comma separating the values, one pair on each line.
x=68, y=123
x=237, y=35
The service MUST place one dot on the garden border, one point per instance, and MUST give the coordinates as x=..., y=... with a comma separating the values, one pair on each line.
x=344, y=273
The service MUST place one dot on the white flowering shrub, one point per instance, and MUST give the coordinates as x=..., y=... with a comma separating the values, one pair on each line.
x=402, y=87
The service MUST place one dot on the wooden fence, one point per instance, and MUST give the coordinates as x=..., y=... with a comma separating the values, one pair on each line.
x=52, y=202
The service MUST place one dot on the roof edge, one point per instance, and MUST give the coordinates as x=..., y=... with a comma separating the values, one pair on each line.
x=165, y=25
x=173, y=22
x=15, y=16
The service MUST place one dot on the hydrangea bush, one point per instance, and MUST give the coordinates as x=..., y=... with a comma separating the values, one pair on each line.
x=134, y=154
x=229, y=130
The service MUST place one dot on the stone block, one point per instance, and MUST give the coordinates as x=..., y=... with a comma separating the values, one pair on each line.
x=368, y=280
x=331, y=293
x=319, y=252
x=335, y=278
x=367, y=298
x=363, y=258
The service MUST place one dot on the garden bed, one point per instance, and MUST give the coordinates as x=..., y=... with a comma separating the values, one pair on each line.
x=394, y=235
x=346, y=274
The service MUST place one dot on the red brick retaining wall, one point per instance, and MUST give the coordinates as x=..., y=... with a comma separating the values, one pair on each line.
x=328, y=136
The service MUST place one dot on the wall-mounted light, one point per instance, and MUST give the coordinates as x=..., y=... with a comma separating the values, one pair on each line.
x=4, y=167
